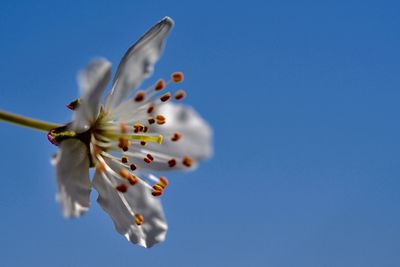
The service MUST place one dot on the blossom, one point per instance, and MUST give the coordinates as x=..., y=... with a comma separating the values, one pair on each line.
x=127, y=139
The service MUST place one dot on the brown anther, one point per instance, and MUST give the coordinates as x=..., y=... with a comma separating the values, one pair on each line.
x=123, y=144
x=156, y=193
x=157, y=187
x=139, y=96
x=123, y=127
x=176, y=137
x=171, y=162
x=160, y=118
x=163, y=181
x=147, y=160
x=150, y=109
x=145, y=129
x=138, y=127
x=143, y=143
x=121, y=188
x=165, y=97
x=177, y=77
x=150, y=120
x=139, y=219
x=159, y=85
x=180, y=95
x=101, y=167
x=187, y=161
x=133, y=167
x=124, y=159
x=133, y=180
x=150, y=157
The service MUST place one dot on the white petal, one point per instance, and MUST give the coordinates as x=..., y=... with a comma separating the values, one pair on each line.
x=123, y=206
x=72, y=168
x=196, y=140
x=138, y=61
x=92, y=82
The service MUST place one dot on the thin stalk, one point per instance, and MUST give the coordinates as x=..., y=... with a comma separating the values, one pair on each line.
x=27, y=122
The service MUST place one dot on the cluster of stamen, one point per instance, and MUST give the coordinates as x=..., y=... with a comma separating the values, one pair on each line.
x=109, y=135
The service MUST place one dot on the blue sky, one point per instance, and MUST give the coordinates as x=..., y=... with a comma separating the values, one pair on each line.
x=303, y=97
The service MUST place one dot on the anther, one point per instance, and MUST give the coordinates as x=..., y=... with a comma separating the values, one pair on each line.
x=163, y=182
x=148, y=159
x=123, y=127
x=124, y=173
x=139, y=96
x=150, y=109
x=150, y=120
x=159, y=85
x=132, y=180
x=145, y=129
x=165, y=97
x=176, y=137
x=171, y=163
x=177, y=77
x=143, y=143
x=180, y=95
x=121, y=188
x=123, y=144
x=156, y=193
x=124, y=159
x=187, y=161
x=133, y=167
x=139, y=219
x=138, y=127
x=160, y=119
x=157, y=187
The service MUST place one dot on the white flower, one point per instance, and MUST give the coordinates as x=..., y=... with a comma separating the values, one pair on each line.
x=126, y=139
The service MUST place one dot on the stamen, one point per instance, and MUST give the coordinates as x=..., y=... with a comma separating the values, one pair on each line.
x=121, y=188
x=172, y=163
x=133, y=167
x=156, y=193
x=143, y=143
x=124, y=159
x=157, y=187
x=177, y=77
x=133, y=180
x=159, y=85
x=176, y=137
x=165, y=97
x=150, y=109
x=187, y=161
x=138, y=127
x=139, y=96
x=163, y=181
x=139, y=219
x=149, y=158
x=180, y=95
x=150, y=120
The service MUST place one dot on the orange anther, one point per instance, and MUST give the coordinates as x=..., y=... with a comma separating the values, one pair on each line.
x=177, y=77
x=187, y=161
x=180, y=95
x=175, y=137
x=139, y=96
x=163, y=181
x=159, y=85
x=121, y=188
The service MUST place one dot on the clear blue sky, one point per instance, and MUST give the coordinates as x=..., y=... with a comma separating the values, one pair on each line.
x=303, y=97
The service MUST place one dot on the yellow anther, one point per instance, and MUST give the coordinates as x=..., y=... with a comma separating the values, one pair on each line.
x=139, y=219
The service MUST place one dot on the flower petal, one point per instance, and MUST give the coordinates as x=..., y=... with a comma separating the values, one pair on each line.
x=72, y=168
x=138, y=61
x=196, y=140
x=92, y=82
x=122, y=208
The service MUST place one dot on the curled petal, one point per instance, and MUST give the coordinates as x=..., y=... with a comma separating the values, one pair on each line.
x=122, y=207
x=138, y=61
x=92, y=82
x=72, y=168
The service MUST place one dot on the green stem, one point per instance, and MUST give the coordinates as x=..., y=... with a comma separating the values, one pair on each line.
x=27, y=122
